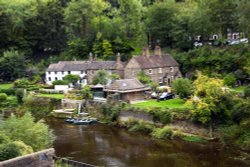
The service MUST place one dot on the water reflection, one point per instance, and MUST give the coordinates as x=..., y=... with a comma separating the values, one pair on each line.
x=108, y=146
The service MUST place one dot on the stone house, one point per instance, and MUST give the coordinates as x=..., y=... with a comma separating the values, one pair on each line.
x=85, y=69
x=127, y=90
x=161, y=68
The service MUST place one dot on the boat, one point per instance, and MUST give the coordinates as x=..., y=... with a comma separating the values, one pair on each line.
x=84, y=121
x=70, y=120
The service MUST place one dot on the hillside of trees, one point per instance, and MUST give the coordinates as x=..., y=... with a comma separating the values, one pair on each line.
x=44, y=31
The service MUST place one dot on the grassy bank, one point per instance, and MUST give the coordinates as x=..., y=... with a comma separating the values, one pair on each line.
x=6, y=86
x=55, y=96
x=172, y=103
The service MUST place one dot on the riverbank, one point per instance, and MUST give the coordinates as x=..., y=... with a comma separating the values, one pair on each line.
x=108, y=145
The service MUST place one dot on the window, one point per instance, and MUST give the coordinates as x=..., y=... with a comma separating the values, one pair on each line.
x=56, y=78
x=49, y=72
x=171, y=69
x=215, y=37
x=49, y=78
x=62, y=72
x=82, y=72
x=69, y=72
x=160, y=80
x=160, y=70
x=150, y=71
x=55, y=72
x=93, y=71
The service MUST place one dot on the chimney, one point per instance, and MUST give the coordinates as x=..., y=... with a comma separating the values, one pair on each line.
x=90, y=57
x=118, y=58
x=145, y=51
x=157, y=50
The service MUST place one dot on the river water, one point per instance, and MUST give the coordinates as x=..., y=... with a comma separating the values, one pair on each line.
x=103, y=145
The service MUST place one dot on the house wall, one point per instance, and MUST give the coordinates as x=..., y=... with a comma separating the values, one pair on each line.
x=59, y=75
x=92, y=73
x=164, y=76
x=133, y=96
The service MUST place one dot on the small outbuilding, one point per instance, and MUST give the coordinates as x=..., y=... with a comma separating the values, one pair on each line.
x=127, y=90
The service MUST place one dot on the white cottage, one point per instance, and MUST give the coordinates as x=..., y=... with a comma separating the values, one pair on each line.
x=85, y=69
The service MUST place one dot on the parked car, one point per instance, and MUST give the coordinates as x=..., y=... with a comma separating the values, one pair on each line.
x=154, y=95
x=165, y=96
x=235, y=42
x=198, y=44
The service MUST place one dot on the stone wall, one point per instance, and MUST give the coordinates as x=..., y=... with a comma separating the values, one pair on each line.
x=38, y=159
x=126, y=115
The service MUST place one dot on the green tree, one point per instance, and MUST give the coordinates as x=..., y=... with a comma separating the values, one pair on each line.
x=101, y=77
x=86, y=92
x=183, y=87
x=35, y=134
x=211, y=102
x=12, y=65
x=161, y=20
x=107, y=50
x=70, y=78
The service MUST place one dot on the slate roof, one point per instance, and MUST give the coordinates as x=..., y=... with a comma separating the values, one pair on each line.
x=126, y=85
x=82, y=65
x=156, y=61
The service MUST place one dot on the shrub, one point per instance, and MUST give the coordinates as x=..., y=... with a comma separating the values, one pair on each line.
x=163, y=133
x=229, y=80
x=22, y=83
x=8, y=151
x=140, y=126
x=60, y=82
x=247, y=92
x=162, y=115
x=183, y=87
x=20, y=95
x=4, y=138
x=9, y=91
x=3, y=97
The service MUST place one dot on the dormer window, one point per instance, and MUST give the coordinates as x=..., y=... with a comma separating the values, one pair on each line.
x=49, y=72
x=160, y=70
x=171, y=69
x=82, y=72
x=150, y=71
x=69, y=72
x=62, y=72
x=55, y=72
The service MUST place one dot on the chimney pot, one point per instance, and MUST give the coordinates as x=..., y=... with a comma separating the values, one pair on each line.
x=157, y=50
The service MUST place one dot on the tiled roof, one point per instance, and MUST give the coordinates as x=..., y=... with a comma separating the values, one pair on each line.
x=125, y=85
x=82, y=65
x=156, y=61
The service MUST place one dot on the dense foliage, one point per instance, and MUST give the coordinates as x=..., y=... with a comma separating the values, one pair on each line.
x=21, y=135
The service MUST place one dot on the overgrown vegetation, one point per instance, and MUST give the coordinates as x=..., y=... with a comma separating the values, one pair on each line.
x=22, y=135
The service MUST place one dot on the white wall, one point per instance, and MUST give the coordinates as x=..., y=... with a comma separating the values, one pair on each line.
x=59, y=75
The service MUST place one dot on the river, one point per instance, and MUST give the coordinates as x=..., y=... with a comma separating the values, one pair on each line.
x=103, y=145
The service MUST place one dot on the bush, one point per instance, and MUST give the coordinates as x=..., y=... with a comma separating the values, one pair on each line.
x=139, y=126
x=60, y=82
x=3, y=97
x=8, y=151
x=183, y=87
x=22, y=83
x=247, y=92
x=229, y=80
x=163, y=133
x=20, y=95
x=162, y=115
x=9, y=91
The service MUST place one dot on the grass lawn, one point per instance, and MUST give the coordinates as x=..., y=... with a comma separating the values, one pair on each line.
x=239, y=89
x=172, y=103
x=56, y=96
x=6, y=86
